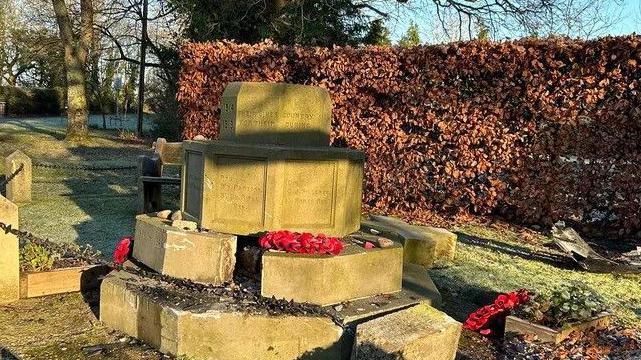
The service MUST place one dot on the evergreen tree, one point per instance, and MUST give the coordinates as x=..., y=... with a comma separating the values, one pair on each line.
x=411, y=37
x=378, y=34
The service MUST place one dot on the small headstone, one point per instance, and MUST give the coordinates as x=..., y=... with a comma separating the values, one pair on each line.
x=275, y=113
x=18, y=189
x=9, y=254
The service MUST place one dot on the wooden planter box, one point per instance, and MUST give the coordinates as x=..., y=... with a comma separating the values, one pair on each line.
x=59, y=281
x=546, y=334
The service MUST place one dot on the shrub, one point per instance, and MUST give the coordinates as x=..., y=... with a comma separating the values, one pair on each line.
x=536, y=130
x=36, y=257
x=32, y=101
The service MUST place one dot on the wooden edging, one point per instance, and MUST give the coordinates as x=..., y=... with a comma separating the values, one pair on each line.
x=546, y=334
x=59, y=281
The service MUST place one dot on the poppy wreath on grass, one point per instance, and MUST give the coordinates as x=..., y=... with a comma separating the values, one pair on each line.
x=123, y=250
x=301, y=243
x=483, y=319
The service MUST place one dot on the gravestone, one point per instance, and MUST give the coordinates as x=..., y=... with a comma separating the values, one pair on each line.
x=282, y=114
x=9, y=254
x=18, y=189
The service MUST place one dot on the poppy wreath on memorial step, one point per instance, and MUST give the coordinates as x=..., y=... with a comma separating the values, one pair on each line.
x=123, y=250
x=483, y=319
x=302, y=243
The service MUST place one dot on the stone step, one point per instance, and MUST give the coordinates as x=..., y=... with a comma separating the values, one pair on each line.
x=422, y=245
x=417, y=333
x=199, y=327
x=205, y=257
x=324, y=280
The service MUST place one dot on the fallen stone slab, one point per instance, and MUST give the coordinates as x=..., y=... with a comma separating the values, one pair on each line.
x=9, y=254
x=422, y=245
x=206, y=257
x=325, y=280
x=198, y=325
x=417, y=333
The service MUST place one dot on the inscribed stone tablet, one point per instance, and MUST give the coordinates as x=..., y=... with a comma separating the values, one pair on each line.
x=283, y=114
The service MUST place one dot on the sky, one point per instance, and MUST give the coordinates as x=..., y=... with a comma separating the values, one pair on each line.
x=629, y=22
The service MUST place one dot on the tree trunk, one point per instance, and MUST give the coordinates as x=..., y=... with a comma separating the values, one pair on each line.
x=75, y=49
x=141, y=80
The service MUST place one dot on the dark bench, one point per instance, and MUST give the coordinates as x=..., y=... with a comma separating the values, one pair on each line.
x=150, y=174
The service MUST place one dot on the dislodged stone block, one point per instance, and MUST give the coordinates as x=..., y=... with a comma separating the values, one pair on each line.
x=324, y=280
x=418, y=333
x=422, y=245
x=18, y=189
x=9, y=254
x=268, y=113
x=213, y=330
x=206, y=257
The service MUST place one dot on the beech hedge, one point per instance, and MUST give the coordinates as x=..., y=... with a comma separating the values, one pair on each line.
x=534, y=130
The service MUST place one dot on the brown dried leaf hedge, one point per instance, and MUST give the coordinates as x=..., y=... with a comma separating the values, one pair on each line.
x=535, y=130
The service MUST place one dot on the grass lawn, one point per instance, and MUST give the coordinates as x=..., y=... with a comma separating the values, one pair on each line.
x=98, y=207
x=81, y=206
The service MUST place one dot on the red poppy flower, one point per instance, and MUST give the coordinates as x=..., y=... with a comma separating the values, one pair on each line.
x=123, y=250
x=304, y=243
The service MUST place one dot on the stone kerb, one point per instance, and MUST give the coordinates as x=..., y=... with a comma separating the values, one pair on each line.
x=275, y=113
x=324, y=280
x=9, y=254
x=205, y=257
x=19, y=188
x=422, y=245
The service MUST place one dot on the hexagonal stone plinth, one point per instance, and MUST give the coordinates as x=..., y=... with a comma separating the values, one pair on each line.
x=205, y=257
x=9, y=254
x=323, y=280
x=423, y=245
x=246, y=189
x=165, y=317
x=418, y=333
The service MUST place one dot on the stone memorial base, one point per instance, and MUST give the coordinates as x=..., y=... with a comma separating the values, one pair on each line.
x=205, y=257
x=324, y=280
x=246, y=189
x=205, y=322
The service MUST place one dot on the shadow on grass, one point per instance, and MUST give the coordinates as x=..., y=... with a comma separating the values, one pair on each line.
x=38, y=130
x=558, y=261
